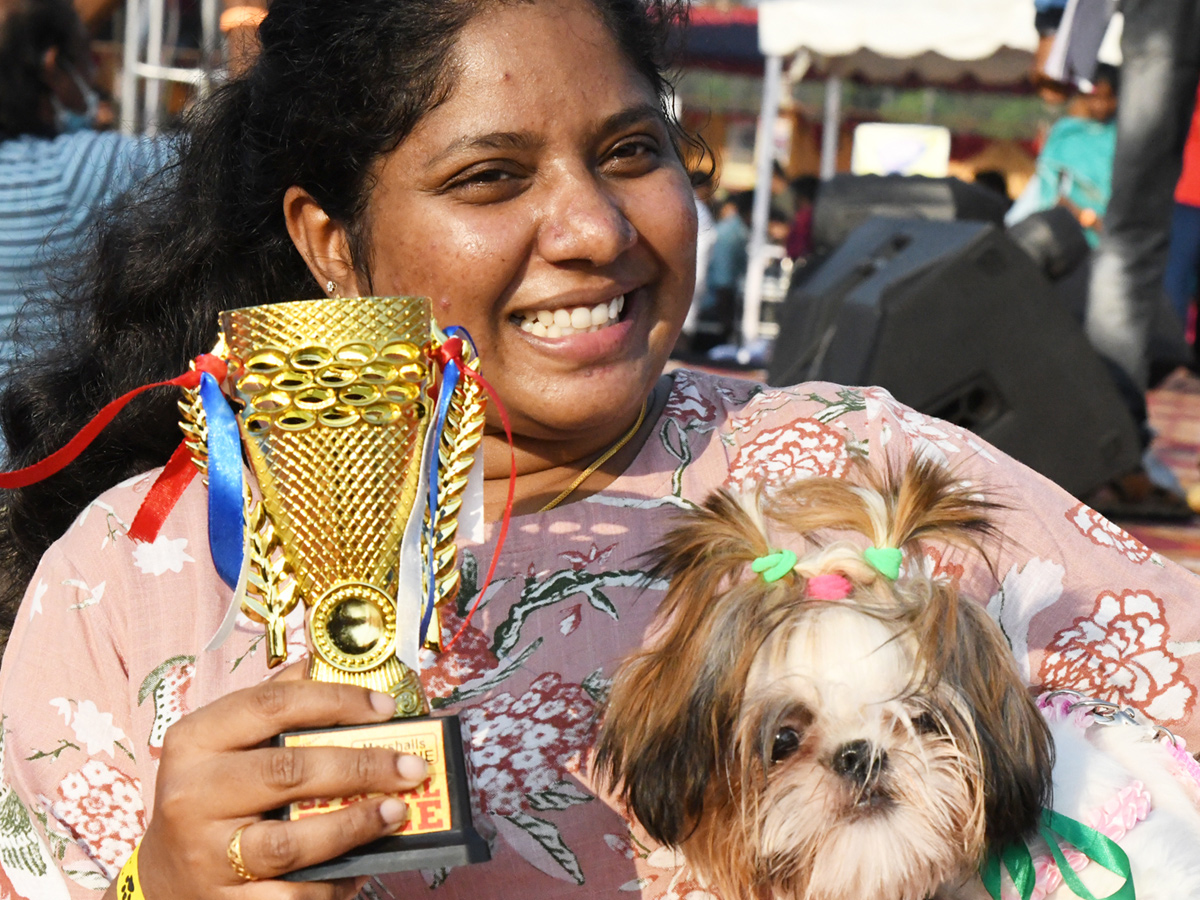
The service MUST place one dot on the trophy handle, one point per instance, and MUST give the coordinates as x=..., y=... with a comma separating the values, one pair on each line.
x=270, y=593
x=456, y=455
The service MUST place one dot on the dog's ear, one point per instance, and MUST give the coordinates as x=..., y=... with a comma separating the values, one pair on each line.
x=1015, y=746
x=661, y=744
x=672, y=710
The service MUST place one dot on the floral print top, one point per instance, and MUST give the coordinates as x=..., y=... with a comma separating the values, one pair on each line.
x=108, y=650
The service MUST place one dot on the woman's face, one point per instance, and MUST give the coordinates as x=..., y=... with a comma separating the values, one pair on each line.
x=544, y=191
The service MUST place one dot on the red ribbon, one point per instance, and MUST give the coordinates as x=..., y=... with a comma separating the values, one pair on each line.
x=449, y=351
x=179, y=471
x=63, y=457
x=172, y=481
x=452, y=350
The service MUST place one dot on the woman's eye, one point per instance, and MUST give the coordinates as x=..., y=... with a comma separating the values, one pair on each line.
x=631, y=148
x=634, y=156
x=787, y=742
x=485, y=185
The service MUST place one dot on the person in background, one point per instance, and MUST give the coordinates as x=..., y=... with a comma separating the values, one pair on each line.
x=56, y=171
x=782, y=196
x=1074, y=168
x=726, y=273
x=59, y=167
x=1183, y=255
x=779, y=224
x=1047, y=16
x=799, y=243
x=1128, y=317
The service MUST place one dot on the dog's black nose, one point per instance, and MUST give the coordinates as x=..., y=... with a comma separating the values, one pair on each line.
x=859, y=762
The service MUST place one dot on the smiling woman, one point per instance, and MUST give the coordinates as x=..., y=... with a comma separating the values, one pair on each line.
x=535, y=204
x=515, y=162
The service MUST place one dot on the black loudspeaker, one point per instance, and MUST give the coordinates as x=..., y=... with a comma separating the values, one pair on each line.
x=958, y=322
x=846, y=201
x=1054, y=239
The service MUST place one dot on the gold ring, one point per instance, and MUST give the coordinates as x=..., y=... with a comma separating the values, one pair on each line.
x=234, y=852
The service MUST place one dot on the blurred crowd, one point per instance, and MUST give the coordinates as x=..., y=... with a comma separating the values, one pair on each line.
x=61, y=162
x=722, y=255
x=1122, y=156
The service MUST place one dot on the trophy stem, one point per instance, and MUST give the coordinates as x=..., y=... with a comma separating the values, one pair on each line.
x=393, y=677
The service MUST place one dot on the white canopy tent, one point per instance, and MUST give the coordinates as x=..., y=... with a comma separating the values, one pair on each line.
x=991, y=41
x=963, y=30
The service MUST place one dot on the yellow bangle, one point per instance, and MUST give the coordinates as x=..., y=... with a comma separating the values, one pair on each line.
x=128, y=885
x=242, y=16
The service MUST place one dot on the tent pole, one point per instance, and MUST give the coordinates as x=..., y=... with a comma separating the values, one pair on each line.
x=832, y=127
x=764, y=157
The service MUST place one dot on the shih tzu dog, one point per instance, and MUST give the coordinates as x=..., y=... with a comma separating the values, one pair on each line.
x=820, y=718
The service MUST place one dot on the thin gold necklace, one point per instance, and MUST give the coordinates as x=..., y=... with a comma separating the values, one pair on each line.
x=603, y=458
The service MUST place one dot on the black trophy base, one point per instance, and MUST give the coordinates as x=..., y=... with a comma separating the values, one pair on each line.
x=400, y=854
x=439, y=832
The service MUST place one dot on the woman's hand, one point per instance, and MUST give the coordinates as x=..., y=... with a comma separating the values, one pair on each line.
x=215, y=775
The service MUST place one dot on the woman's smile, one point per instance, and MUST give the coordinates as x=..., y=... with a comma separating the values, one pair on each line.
x=565, y=322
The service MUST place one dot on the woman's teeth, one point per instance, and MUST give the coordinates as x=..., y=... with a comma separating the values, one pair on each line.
x=564, y=322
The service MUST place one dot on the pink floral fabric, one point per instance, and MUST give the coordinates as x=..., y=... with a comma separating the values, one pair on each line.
x=102, y=806
x=1120, y=651
x=108, y=649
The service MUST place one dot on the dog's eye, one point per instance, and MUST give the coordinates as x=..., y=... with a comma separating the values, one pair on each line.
x=925, y=723
x=787, y=742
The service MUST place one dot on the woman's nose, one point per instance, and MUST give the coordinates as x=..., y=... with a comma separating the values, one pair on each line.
x=585, y=222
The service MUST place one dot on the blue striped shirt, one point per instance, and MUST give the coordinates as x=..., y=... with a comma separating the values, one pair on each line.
x=51, y=191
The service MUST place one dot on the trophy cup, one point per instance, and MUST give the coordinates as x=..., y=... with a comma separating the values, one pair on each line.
x=335, y=417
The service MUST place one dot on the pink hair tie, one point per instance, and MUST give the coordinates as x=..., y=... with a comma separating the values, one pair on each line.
x=828, y=587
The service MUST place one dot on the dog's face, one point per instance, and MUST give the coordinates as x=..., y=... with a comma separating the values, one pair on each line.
x=874, y=746
x=855, y=781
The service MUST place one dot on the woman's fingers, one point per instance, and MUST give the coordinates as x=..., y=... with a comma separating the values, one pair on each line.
x=248, y=717
x=271, y=848
x=257, y=781
x=217, y=772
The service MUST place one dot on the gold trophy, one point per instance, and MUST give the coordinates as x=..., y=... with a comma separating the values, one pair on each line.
x=335, y=424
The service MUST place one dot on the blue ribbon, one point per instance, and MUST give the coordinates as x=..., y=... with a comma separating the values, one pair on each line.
x=226, y=526
x=450, y=377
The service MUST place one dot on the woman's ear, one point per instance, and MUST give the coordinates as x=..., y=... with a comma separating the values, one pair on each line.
x=57, y=81
x=322, y=242
x=49, y=63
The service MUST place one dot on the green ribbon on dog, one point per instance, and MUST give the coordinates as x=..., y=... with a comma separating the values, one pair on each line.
x=885, y=560
x=774, y=566
x=1095, y=846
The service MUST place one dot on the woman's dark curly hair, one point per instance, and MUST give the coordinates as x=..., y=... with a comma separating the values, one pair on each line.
x=337, y=85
